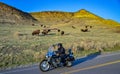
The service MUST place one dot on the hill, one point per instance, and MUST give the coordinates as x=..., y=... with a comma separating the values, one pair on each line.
x=52, y=17
x=11, y=15
x=81, y=17
x=85, y=14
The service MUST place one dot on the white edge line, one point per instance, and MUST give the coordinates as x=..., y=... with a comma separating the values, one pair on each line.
x=18, y=70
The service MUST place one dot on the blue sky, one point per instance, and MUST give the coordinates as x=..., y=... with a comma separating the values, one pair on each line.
x=108, y=9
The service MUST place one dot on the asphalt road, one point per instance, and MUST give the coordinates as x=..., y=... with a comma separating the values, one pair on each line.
x=92, y=64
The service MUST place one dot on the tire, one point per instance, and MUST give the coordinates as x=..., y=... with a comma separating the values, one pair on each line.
x=44, y=66
x=69, y=63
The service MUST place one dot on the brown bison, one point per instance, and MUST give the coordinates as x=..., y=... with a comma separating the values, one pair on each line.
x=33, y=24
x=49, y=30
x=45, y=31
x=41, y=25
x=84, y=30
x=91, y=26
x=62, y=33
x=73, y=27
x=36, y=32
x=58, y=30
x=54, y=29
x=44, y=26
x=86, y=26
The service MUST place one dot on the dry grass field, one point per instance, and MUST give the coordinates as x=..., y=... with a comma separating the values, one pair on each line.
x=18, y=47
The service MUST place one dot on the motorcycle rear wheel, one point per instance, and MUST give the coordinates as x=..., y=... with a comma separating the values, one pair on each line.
x=69, y=63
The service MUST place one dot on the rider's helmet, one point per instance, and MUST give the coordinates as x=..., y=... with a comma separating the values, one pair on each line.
x=59, y=44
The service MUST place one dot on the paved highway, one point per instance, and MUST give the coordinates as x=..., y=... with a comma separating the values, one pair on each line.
x=95, y=63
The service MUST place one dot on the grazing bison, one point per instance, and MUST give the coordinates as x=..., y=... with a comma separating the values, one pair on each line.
x=55, y=29
x=84, y=30
x=33, y=24
x=41, y=25
x=49, y=30
x=86, y=26
x=44, y=26
x=45, y=31
x=73, y=27
x=58, y=30
x=90, y=26
x=36, y=32
x=62, y=32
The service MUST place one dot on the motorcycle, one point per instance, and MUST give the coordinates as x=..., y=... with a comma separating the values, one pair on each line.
x=52, y=60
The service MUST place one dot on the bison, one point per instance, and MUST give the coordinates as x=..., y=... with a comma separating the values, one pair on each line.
x=86, y=26
x=49, y=30
x=73, y=27
x=58, y=30
x=41, y=25
x=33, y=24
x=44, y=26
x=55, y=29
x=62, y=32
x=84, y=30
x=91, y=26
x=36, y=32
x=45, y=31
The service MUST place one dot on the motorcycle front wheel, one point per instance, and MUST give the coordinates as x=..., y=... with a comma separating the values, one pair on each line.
x=44, y=66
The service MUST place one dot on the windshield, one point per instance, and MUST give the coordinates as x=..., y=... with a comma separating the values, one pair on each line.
x=50, y=49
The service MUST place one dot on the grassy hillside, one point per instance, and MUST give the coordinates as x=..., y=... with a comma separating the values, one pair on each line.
x=18, y=46
x=57, y=17
x=14, y=16
x=86, y=14
x=52, y=17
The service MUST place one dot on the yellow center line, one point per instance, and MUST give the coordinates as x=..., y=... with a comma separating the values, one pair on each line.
x=92, y=67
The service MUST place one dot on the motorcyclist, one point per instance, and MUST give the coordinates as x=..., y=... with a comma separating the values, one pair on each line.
x=61, y=52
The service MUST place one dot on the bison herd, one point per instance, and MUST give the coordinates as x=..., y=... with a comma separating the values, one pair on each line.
x=87, y=28
x=47, y=30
